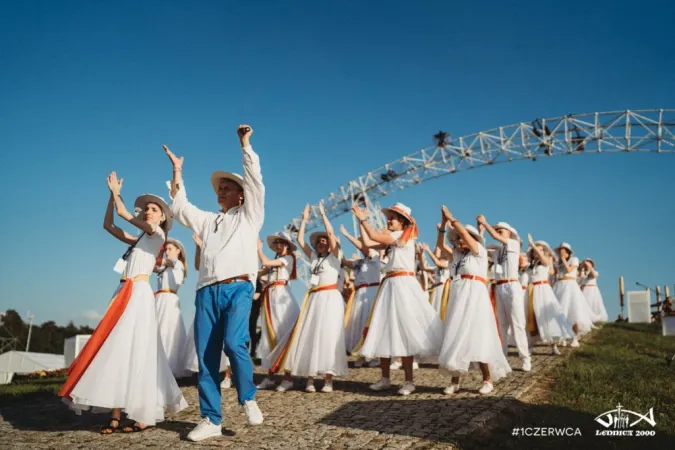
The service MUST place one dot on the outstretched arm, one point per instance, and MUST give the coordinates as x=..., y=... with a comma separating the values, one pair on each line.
x=483, y=221
x=267, y=262
x=465, y=235
x=110, y=227
x=254, y=189
x=419, y=253
x=438, y=261
x=379, y=237
x=440, y=240
x=301, y=233
x=332, y=241
x=358, y=243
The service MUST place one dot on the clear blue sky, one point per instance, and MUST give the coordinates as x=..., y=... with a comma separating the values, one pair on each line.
x=333, y=89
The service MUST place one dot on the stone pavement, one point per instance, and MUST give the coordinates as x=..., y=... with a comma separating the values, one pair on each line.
x=349, y=418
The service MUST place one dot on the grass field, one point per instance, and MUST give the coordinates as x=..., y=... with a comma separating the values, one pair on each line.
x=21, y=389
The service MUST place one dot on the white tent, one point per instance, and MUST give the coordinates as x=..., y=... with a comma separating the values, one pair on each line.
x=27, y=362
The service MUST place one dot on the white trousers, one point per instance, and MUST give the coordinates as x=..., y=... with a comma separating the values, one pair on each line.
x=511, y=316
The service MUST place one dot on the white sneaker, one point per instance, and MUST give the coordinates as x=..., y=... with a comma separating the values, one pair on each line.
x=415, y=366
x=226, y=383
x=381, y=385
x=564, y=343
x=555, y=350
x=486, y=389
x=327, y=387
x=452, y=389
x=374, y=363
x=527, y=364
x=285, y=386
x=358, y=363
x=204, y=430
x=267, y=383
x=407, y=388
x=310, y=386
x=396, y=365
x=575, y=343
x=253, y=414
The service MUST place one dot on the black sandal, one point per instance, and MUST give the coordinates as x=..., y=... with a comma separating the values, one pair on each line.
x=110, y=429
x=134, y=428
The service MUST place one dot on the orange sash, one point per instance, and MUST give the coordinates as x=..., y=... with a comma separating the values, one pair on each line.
x=88, y=353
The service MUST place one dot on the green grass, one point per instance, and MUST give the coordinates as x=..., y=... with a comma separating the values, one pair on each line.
x=621, y=363
x=22, y=389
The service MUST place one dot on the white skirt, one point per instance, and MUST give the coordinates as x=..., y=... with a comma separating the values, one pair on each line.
x=130, y=370
x=190, y=361
x=361, y=305
x=318, y=347
x=471, y=334
x=284, y=311
x=552, y=324
x=595, y=303
x=403, y=323
x=437, y=298
x=171, y=330
x=573, y=304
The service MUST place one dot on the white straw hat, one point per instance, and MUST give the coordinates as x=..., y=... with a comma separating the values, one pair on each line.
x=142, y=200
x=282, y=236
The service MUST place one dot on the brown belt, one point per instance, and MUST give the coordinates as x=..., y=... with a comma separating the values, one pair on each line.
x=233, y=280
x=537, y=283
x=510, y=280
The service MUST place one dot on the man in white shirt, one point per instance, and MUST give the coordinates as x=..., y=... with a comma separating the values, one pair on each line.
x=508, y=291
x=227, y=273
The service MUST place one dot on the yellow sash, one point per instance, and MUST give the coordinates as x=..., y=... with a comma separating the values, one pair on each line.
x=444, y=299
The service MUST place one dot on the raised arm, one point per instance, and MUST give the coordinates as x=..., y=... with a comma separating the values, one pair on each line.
x=419, y=253
x=465, y=235
x=440, y=239
x=377, y=236
x=183, y=211
x=110, y=227
x=115, y=187
x=438, y=261
x=265, y=261
x=332, y=240
x=545, y=260
x=254, y=189
x=301, y=233
x=358, y=243
x=483, y=221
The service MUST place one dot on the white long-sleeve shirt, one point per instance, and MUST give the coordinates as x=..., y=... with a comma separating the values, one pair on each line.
x=229, y=240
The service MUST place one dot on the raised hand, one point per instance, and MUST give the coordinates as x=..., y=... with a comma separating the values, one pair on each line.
x=175, y=161
x=447, y=215
x=114, y=184
x=322, y=211
x=359, y=213
x=343, y=230
x=481, y=220
x=198, y=241
x=305, y=213
x=529, y=240
x=244, y=132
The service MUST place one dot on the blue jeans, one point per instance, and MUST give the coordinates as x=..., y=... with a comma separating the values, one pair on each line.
x=221, y=323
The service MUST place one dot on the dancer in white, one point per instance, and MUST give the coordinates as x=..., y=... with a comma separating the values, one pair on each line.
x=401, y=321
x=471, y=333
x=569, y=294
x=279, y=309
x=440, y=290
x=589, y=286
x=123, y=366
x=366, y=282
x=545, y=317
x=508, y=291
x=317, y=342
x=170, y=276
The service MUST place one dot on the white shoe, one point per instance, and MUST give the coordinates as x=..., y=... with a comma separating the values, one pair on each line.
x=204, y=430
x=407, y=388
x=452, y=389
x=327, y=387
x=527, y=364
x=374, y=363
x=310, y=386
x=226, y=383
x=564, y=343
x=415, y=366
x=555, y=350
x=575, y=343
x=358, y=363
x=253, y=414
x=285, y=386
x=396, y=365
x=486, y=389
x=267, y=383
x=381, y=385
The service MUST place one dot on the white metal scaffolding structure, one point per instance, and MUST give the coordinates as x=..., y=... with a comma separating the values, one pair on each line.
x=600, y=132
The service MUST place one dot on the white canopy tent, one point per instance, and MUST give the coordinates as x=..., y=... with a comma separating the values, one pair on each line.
x=26, y=362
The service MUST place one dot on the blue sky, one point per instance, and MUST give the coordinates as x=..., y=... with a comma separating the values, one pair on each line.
x=333, y=89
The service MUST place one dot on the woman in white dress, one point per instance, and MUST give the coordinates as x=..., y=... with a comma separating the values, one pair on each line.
x=569, y=293
x=279, y=309
x=190, y=361
x=589, y=286
x=316, y=345
x=545, y=318
x=366, y=282
x=471, y=334
x=401, y=321
x=170, y=276
x=123, y=367
x=440, y=290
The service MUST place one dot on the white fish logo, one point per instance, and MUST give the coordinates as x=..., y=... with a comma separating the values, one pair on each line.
x=620, y=418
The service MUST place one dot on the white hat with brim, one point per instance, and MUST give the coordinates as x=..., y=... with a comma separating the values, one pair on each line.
x=282, y=236
x=178, y=244
x=144, y=199
x=472, y=231
x=506, y=226
x=566, y=246
x=219, y=175
x=315, y=237
x=400, y=208
x=543, y=244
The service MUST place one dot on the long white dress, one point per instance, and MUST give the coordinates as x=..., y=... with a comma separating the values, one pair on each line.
x=571, y=298
x=366, y=281
x=551, y=322
x=402, y=322
x=317, y=344
x=471, y=334
x=169, y=317
x=130, y=370
x=278, y=313
x=589, y=286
